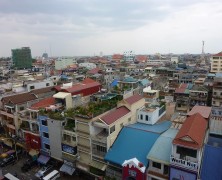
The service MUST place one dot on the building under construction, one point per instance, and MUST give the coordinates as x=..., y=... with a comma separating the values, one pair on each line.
x=22, y=58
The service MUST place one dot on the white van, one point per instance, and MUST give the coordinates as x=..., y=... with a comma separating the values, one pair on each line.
x=52, y=176
x=9, y=176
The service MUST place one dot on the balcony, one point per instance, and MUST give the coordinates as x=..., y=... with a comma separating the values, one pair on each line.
x=197, y=96
x=188, y=162
x=83, y=148
x=69, y=142
x=217, y=85
x=217, y=97
x=100, y=137
x=7, y=113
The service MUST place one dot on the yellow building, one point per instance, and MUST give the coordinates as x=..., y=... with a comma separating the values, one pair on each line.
x=216, y=63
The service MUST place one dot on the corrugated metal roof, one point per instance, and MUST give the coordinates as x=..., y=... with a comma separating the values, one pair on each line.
x=133, y=99
x=211, y=165
x=43, y=103
x=156, y=128
x=161, y=150
x=131, y=143
x=115, y=115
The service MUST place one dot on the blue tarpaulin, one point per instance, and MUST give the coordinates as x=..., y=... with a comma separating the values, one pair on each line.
x=114, y=83
x=43, y=159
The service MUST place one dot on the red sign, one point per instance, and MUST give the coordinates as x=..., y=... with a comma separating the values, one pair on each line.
x=32, y=141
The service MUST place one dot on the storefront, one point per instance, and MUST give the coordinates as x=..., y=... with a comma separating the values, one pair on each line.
x=33, y=141
x=179, y=173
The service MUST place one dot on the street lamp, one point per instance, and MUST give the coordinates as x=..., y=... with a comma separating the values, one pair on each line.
x=4, y=139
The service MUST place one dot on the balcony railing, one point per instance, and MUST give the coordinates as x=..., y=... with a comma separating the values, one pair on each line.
x=217, y=97
x=69, y=142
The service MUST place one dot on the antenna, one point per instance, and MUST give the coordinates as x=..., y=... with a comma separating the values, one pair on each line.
x=50, y=50
x=203, y=47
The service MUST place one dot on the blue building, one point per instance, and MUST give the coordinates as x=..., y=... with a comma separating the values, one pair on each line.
x=44, y=134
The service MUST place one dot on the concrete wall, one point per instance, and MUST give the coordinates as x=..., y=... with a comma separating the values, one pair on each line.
x=55, y=138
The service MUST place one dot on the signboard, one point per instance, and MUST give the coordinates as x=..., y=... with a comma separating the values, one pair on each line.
x=184, y=163
x=177, y=174
x=69, y=149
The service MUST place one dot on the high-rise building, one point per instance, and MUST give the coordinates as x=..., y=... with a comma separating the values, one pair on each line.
x=216, y=63
x=22, y=58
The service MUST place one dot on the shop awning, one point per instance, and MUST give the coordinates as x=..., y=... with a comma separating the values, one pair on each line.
x=98, y=165
x=43, y=159
x=67, y=169
x=8, y=143
x=33, y=152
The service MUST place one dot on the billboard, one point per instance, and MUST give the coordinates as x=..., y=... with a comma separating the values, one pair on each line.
x=69, y=149
x=179, y=174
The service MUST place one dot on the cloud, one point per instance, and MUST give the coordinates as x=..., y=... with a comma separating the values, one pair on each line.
x=85, y=27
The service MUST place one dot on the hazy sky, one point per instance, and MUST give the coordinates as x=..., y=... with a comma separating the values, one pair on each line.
x=88, y=27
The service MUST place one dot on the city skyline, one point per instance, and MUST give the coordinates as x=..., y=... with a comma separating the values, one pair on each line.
x=78, y=28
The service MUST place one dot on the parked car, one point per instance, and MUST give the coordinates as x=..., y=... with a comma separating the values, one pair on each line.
x=7, y=160
x=43, y=171
x=29, y=164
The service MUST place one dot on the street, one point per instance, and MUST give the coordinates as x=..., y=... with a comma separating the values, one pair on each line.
x=30, y=175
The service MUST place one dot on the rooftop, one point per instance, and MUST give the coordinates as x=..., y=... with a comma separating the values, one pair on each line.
x=160, y=154
x=203, y=110
x=156, y=128
x=211, y=161
x=192, y=132
x=131, y=143
x=133, y=99
x=113, y=116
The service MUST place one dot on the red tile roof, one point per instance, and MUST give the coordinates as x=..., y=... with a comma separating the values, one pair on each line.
x=193, y=128
x=141, y=58
x=203, y=110
x=218, y=54
x=80, y=87
x=19, y=98
x=43, y=103
x=42, y=90
x=117, y=56
x=183, y=85
x=180, y=90
x=133, y=99
x=115, y=115
x=93, y=71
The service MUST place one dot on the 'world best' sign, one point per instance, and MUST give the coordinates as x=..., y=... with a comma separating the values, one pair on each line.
x=184, y=163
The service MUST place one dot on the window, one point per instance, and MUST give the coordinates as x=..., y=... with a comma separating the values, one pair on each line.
x=47, y=84
x=165, y=169
x=214, y=102
x=46, y=135
x=21, y=108
x=112, y=129
x=121, y=125
x=73, y=138
x=141, y=117
x=147, y=118
x=186, y=152
x=47, y=146
x=129, y=119
x=157, y=165
x=215, y=93
x=100, y=148
x=44, y=123
x=32, y=87
x=153, y=178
